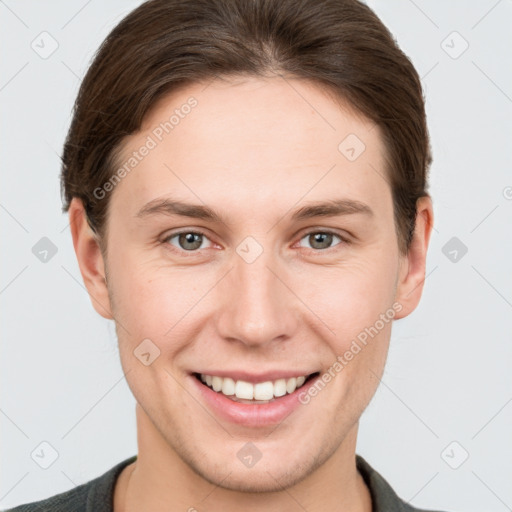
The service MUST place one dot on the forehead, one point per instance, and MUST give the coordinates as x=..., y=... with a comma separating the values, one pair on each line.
x=249, y=141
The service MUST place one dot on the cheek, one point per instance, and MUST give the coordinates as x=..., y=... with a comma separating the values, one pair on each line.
x=357, y=303
x=154, y=300
x=351, y=296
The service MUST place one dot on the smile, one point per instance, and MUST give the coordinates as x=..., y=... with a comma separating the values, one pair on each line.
x=253, y=393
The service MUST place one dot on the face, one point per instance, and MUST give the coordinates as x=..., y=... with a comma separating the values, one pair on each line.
x=253, y=243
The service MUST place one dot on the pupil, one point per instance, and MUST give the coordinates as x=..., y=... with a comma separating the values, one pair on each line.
x=190, y=238
x=322, y=238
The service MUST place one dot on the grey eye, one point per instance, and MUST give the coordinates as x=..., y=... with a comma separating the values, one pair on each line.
x=187, y=240
x=320, y=239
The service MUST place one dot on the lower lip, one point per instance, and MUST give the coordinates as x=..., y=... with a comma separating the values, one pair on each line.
x=257, y=415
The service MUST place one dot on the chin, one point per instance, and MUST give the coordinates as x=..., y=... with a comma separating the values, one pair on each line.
x=259, y=480
x=271, y=474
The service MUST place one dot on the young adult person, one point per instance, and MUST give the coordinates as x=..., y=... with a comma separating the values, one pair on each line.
x=246, y=182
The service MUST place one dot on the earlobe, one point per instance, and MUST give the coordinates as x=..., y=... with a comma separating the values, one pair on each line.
x=413, y=265
x=90, y=259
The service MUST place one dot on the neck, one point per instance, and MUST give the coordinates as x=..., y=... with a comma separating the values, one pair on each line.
x=160, y=480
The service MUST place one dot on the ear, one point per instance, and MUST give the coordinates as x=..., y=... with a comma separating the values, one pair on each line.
x=90, y=259
x=412, y=265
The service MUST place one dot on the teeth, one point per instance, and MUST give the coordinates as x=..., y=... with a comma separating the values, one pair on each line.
x=228, y=386
x=264, y=391
x=280, y=387
x=217, y=383
x=291, y=384
x=246, y=391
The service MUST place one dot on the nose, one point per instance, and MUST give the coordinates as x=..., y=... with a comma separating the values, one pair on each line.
x=256, y=305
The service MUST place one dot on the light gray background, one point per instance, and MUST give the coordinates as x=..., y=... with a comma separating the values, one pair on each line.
x=448, y=375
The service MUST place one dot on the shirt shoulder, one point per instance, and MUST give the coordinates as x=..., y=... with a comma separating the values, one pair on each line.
x=97, y=495
x=384, y=498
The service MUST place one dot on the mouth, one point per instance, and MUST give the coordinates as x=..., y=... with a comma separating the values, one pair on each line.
x=257, y=393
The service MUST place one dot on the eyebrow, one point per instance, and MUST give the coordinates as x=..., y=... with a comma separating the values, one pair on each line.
x=330, y=208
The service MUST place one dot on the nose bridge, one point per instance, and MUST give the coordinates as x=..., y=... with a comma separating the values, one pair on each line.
x=256, y=308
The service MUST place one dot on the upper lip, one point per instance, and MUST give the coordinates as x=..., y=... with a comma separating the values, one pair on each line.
x=257, y=377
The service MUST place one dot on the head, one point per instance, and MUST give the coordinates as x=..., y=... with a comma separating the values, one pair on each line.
x=247, y=191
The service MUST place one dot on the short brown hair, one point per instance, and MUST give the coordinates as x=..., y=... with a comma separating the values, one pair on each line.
x=166, y=44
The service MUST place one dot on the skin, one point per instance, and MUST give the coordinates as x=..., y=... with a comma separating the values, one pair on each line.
x=254, y=151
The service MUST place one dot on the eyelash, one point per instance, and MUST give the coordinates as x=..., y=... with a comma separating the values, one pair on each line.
x=344, y=241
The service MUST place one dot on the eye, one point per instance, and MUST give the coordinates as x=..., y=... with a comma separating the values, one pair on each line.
x=192, y=241
x=321, y=240
x=187, y=240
